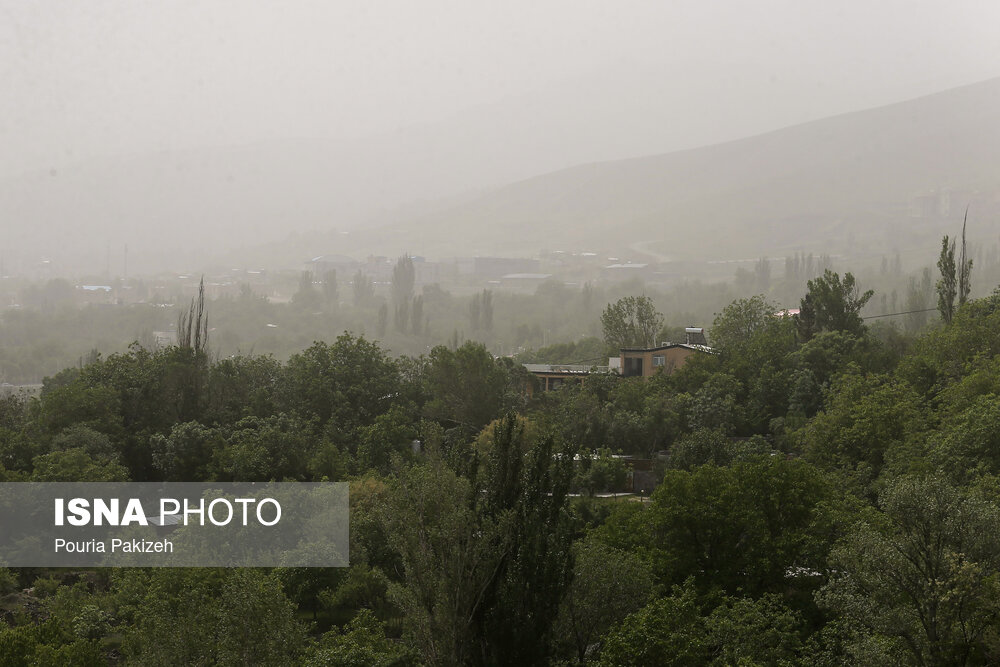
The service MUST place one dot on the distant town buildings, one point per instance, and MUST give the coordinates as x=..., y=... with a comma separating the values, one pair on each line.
x=496, y=267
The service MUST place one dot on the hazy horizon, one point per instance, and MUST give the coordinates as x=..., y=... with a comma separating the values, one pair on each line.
x=101, y=79
x=242, y=123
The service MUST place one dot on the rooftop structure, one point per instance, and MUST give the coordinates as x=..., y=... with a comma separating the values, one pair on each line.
x=665, y=358
x=632, y=362
x=553, y=376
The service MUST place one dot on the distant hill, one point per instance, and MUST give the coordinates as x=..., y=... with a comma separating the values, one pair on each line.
x=846, y=184
x=867, y=182
x=179, y=207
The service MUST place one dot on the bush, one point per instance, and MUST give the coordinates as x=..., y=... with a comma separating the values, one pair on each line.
x=46, y=586
x=8, y=581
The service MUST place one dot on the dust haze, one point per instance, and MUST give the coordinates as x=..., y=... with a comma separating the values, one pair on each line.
x=199, y=134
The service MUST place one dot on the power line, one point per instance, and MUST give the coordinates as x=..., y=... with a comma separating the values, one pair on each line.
x=869, y=317
x=577, y=363
x=905, y=312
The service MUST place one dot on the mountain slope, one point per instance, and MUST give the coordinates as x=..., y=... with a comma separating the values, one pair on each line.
x=177, y=207
x=846, y=184
x=836, y=185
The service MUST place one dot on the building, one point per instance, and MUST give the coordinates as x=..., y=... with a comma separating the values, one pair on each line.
x=495, y=267
x=553, y=376
x=633, y=362
x=524, y=282
x=626, y=271
x=164, y=339
x=343, y=265
x=665, y=358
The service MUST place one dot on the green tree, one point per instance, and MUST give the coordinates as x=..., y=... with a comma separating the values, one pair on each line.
x=403, y=278
x=469, y=388
x=47, y=645
x=169, y=615
x=185, y=453
x=350, y=381
x=417, y=316
x=964, y=268
x=608, y=585
x=669, y=631
x=631, y=321
x=277, y=639
x=680, y=630
x=525, y=493
x=486, y=560
x=967, y=446
x=832, y=304
x=362, y=287
x=361, y=643
x=192, y=325
x=330, y=288
x=402, y=316
x=259, y=449
x=95, y=443
x=241, y=386
x=306, y=297
x=75, y=465
x=738, y=528
x=867, y=420
x=947, y=284
x=390, y=434
x=97, y=408
x=926, y=576
x=475, y=312
x=447, y=556
x=736, y=325
x=201, y=616
x=599, y=471
x=712, y=446
x=716, y=404
x=958, y=353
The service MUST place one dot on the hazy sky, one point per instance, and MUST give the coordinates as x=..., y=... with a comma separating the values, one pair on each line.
x=90, y=78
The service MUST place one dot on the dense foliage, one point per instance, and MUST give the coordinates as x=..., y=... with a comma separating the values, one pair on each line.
x=827, y=493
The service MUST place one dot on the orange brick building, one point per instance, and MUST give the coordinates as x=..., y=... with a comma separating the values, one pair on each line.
x=648, y=361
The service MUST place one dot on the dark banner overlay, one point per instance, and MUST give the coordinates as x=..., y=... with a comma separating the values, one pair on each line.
x=76, y=524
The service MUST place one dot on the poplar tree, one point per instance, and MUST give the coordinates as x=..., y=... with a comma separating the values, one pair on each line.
x=946, y=284
x=964, y=268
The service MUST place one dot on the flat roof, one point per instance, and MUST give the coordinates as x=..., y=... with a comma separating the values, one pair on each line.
x=334, y=259
x=697, y=348
x=564, y=369
x=526, y=276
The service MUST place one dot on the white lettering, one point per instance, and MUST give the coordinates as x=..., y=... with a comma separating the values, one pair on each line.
x=79, y=509
x=103, y=511
x=200, y=511
x=163, y=508
x=277, y=511
x=211, y=515
x=134, y=514
x=244, y=502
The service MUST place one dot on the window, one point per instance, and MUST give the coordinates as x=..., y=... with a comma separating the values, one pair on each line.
x=633, y=366
x=658, y=361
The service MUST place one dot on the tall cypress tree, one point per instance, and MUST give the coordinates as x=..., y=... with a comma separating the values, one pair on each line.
x=964, y=268
x=946, y=284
